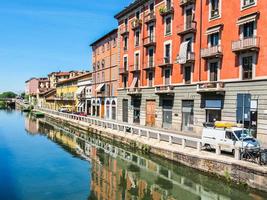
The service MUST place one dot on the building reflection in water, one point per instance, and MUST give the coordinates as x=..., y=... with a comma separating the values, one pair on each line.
x=119, y=174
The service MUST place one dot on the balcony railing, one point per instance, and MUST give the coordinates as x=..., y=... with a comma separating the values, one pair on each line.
x=188, y=27
x=149, y=41
x=209, y=52
x=190, y=56
x=66, y=97
x=134, y=91
x=124, y=30
x=211, y=87
x=165, y=89
x=135, y=68
x=136, y=23
x=166, y=10
x=123, y=71
x=150, y=65
x=103, y=94
x=150, y=17
x=165, y=62
x=252, y=44
x=186, y=2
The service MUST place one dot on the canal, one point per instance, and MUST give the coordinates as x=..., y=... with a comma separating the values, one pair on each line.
x=40, y=159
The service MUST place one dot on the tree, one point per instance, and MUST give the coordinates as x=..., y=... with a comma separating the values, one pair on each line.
x=9, y=94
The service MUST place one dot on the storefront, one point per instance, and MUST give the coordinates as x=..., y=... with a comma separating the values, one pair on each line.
x=187, y=115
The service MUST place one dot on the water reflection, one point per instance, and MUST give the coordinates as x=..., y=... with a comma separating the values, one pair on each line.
x=119, y=173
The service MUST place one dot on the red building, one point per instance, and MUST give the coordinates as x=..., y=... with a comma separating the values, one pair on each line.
x=186, y=62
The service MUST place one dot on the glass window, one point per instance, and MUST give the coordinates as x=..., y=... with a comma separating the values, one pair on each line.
x=247, y=67
x=187, y=74
x=214, y=39
x=137, y=37
x=214, y=71
x=248, y=2
x=248, y=30
x=214, y=8
x=168, y=22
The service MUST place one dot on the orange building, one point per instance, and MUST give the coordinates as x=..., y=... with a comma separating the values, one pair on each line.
x=187, y=62
x=105, y=76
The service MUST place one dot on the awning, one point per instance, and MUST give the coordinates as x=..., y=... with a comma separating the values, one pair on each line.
x=81, y=105
x=247, y=19
x=80, y=90
x=181, y=59
x=99, y=87
x=214, y=29
x=133, y=82
x=213, y=104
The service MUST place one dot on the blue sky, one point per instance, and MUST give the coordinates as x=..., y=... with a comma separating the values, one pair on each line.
x=41, y=36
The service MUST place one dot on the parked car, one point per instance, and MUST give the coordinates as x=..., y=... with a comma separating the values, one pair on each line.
x=228, y=137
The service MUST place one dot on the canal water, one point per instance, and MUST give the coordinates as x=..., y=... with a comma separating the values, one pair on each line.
x=40, y=159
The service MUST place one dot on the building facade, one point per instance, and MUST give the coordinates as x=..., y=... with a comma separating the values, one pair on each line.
x=84, y=95
x=184, y=63
x=105, y=76
x=66, y=93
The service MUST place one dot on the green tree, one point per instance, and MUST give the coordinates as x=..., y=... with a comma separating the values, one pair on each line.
x=8, y=95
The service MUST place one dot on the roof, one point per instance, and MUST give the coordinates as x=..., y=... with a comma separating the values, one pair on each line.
x=130, y=8
x=62, y=73
x=104, y=36
x=73, y=78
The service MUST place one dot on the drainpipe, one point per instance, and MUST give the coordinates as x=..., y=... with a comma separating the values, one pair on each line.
x=200, y=42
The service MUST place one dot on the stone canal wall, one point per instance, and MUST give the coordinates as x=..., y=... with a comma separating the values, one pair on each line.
x=241, y=172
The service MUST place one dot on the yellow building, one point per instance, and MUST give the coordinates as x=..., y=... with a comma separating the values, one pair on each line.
x=66, y=93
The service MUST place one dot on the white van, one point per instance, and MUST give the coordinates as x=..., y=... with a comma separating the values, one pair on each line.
x=228, y=138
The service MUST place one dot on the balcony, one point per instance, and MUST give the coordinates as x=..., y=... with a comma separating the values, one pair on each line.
x=150, y=17
x=149, y=66
x=186, y=2
x=211, y=52
x=103, y=94
x=189, y=27
x=165, y=89
x=134, y=91
x=246, y=44
x=123, y=71
x=149, y=41
x=134, y=68
x=124, y=30
x=136, y=23
x=166, y=10
x=210, y=87
x=165, y=62
x=190, y=57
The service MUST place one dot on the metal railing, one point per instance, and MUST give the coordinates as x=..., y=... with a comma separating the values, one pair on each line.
x=246, y=43
x=210, y=86
x=191, y=25
x=124, y=29
x=150, y=17
x=136, y=23
x=211, y=51
x=149, y=40
x=127, y=129
x=185, y=2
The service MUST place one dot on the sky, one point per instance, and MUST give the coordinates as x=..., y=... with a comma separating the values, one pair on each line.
x=41, y=36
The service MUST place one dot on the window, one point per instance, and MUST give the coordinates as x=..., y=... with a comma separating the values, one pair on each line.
x=137, y=38
x=214, y=71
x=137, y=15
x=126, y=22
x=167, y=77
x=125, y=62
x=136, y=110
x=248, y=30
x=168, y=4
x=151, y=7
x=213, y=115
x=150, y=79
x=247, y=67
x=125, y=79
x=187, y=74
x=103, y=64
x=98, y=65
x=167, y=53
x=189, y=18
x=125, y=43
x=103, y=76
x=168, y=22
x=136, y=61
x=248, y=3
x=214, y=9
x=214, y=39
x=114, y=42
x=150, y=57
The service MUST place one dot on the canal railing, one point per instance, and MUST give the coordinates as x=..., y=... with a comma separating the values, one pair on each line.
x=143, y=163
x=127, y=129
